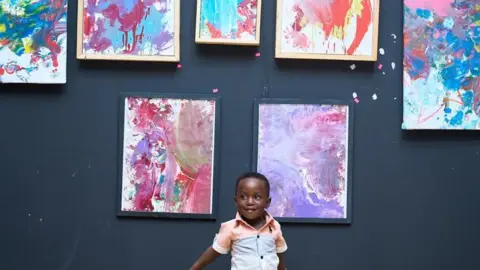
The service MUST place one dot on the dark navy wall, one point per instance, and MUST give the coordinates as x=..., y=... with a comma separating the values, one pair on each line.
x=416, y=196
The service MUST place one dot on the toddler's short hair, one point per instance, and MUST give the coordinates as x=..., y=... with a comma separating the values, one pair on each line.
x=255, y=175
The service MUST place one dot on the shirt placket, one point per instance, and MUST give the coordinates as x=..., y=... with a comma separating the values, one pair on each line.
x=259, y=253
x=261, y=259
x=262, y=265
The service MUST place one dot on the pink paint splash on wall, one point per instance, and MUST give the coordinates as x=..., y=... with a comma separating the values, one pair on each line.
x=168, y=149
x=302, y=149
x=331, y=20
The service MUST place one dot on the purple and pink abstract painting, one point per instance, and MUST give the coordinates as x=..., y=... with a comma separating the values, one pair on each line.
x=129, y=27
x=167, y=162
x=303, y=151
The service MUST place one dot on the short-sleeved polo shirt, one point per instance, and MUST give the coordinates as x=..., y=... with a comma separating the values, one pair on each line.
x=251, y=249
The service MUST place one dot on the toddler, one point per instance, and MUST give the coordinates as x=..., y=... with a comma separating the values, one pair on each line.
x=254, y=238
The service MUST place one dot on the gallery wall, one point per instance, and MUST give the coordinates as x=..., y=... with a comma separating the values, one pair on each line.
x=414, y=194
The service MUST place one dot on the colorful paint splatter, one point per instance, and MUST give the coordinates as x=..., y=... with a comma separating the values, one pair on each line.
x=33, y=41
x=168, y=155
x=302, y=149
x=133, y=27
x=441, y=64
x=228, y=19
x=327, y=26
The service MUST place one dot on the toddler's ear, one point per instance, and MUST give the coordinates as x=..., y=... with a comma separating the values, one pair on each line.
x=235, y=200
x=269, y=200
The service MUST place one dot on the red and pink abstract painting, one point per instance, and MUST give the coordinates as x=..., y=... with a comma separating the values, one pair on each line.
x=303, y=150
x=128, y=30
x=168, y=155
x=327, y=29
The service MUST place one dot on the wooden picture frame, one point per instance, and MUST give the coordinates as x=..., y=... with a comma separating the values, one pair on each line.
x=161, y=175
x=310, y=41
x=294, y=141
x=166, y=39
x=241, y=41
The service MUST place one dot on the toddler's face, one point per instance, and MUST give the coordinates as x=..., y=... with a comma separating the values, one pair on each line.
x=252, y=198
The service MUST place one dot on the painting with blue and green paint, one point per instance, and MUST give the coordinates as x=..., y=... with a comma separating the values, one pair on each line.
x=228, y=19
x=441, y=82
x=33, y=41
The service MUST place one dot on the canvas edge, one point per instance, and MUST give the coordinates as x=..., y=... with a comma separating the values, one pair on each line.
x=197, y=21
x=349, y=160
x=215, y=172
x=164, y=215
x=80, y=24
x=120, y=145
x=255, y=130
x=278, y=29
x=375, y=31
x=335, y=57
x=80, y=55
x=226, y=42
x=321, y=101
x=402, y=125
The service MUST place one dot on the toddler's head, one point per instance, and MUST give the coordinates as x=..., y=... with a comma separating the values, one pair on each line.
x=252, y=195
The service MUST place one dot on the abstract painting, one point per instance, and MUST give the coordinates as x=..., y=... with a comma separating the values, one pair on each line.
x=129, y=30
x=331, y=30
x=228, y=22
x=441, y=85
x=33, y=41
x=304, y=150
x=167, y=155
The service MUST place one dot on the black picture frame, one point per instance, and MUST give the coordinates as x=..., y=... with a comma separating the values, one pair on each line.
x=276, y=101
x=215, y=170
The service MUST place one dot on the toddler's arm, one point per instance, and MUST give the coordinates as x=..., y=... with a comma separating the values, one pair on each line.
x=205, y=259
x=281, y=264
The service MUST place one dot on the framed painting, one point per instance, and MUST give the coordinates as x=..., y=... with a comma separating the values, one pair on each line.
x=441, y=65
x=129, y=30
x=305, y=150
x=33, y=41
x=329, y=30
x=228, y=22
x=168, y=155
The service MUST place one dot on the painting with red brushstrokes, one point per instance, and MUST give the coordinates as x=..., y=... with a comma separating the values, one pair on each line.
x=327, y=29
x=305, y=150
x=129, y=30
x=228, y=22
x=33, y=41
x=168, y=155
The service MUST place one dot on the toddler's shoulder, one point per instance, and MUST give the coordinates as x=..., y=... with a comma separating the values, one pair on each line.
x=230, y=224
x=277, y=225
